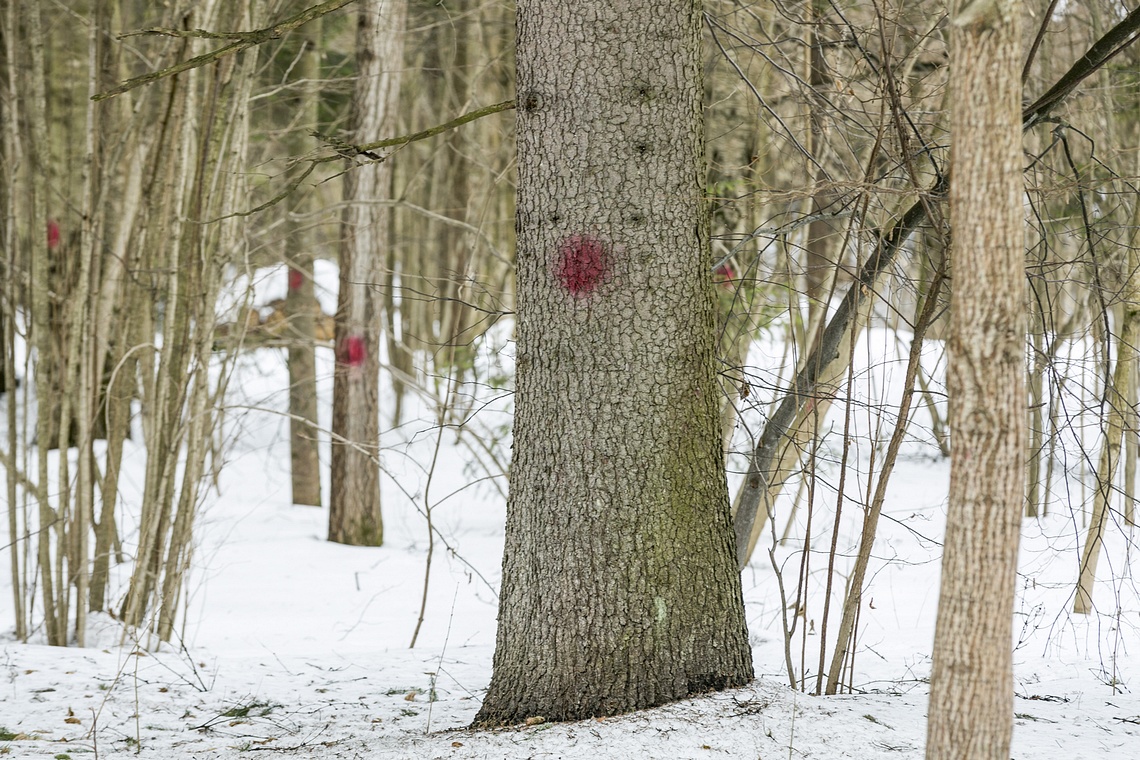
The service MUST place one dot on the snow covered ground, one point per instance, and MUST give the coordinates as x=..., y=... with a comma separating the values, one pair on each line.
x=295, y=646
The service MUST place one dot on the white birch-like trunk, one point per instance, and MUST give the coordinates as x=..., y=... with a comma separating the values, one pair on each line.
x=971, y=685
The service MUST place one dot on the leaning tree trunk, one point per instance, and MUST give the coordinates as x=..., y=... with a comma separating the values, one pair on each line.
x=1119, y=415
x=620, y=589
x=971, y=685
x=354, y=507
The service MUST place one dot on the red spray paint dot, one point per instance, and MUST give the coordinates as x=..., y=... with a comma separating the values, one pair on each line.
x=724, y=275
x=583, y=262
x=353, y=351
x=53, y=234
x=296, y=279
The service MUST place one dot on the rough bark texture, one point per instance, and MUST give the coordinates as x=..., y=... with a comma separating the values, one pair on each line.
x=620, y=589
x=971, y=692
x=354, y=506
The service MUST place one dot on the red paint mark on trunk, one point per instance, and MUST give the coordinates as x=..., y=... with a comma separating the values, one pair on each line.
x=353, y=351
x=296, y=279
x=583, y=263
x=53, y=234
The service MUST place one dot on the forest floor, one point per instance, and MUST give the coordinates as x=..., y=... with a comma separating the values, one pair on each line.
x=297, y=647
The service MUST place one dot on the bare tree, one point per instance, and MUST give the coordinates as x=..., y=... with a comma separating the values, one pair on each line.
x=354, y=509
x=971, y=690
x=301, y=306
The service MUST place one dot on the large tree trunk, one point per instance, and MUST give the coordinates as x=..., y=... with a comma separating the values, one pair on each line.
x=971, y=688
x=620, y=589
x=354, y=507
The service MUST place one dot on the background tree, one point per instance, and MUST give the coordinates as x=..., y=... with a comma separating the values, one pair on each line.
x=971, y=685
x=620, y=589
x=301, y=307
x=354, y=507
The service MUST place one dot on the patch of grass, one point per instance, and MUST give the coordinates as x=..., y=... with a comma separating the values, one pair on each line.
x=1034, y=718
x=6, y=735
x=255, y=709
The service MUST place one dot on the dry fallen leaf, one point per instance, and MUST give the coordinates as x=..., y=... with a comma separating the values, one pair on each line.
x=72, y=720
x=410, y=696
x=457, y=744
x=534, y=720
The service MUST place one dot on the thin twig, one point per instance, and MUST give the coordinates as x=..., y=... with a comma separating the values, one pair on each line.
x=1037, y=40
x=242, y=41
x=345, y=150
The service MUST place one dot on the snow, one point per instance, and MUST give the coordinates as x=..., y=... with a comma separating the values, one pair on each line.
x=293, y=645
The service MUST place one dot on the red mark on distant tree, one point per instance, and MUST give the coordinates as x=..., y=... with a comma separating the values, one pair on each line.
x=353, y=351
x=53, y=234
x=296, y=279
x=724, y=275
x=583, y=262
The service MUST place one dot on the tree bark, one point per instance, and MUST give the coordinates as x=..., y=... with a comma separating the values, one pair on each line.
x=354, y=508
x=300, y=304
x=620, y=589
x=971, y=690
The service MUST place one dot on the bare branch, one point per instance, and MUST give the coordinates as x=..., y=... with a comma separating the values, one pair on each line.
x=1103, y=50
x=242, y=41
x=348, y=150
x=1037, y=40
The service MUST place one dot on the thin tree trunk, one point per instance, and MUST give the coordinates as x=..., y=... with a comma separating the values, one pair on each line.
x=301, y=308
x=844, y=647
x=820, y=254
x=1035, y=419
x=51, y=522
x=164, y=379
x=1116, y=438
x=829, y=379
x=10, y=159
x=971, y=685
x=818, y=372
x=354, y=509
